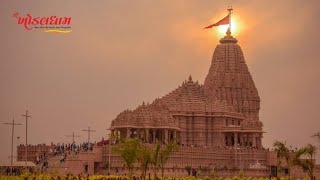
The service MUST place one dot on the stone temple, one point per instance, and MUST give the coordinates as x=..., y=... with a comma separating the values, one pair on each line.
x=215, y=124
x=223, y=112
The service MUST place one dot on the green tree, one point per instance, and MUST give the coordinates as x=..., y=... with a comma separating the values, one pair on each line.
x=155, y=158
x=283, y=152
x=160, y=156
x=144, y=158
x=129, y=152
x=303, y=157
x=165, y=154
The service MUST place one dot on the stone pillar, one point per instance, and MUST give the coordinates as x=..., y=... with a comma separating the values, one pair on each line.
x=247, y=140
x=111, y=139
x=254, y=143
x=250, y=139
x=154, y=135
x=260, y=144
x=128, y=133
x=116, y=134
x=235, y=139
x=228, y=139
x=166, y=136
x=175, y=136
x=138, y=133
x=147, y=135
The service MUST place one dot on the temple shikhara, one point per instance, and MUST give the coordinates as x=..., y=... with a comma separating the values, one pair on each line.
x=223, y=112
x=215, y=124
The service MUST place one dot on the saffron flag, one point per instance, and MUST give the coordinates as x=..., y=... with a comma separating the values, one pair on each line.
x=223, y=21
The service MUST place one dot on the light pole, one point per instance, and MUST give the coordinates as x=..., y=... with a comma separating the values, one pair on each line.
x=26, y=150
x=89, y=131
x=73, y=136
x=12, y=131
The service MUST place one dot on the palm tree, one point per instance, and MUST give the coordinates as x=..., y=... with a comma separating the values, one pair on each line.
x=160, y=156
x=155, y=158
x=165, y=155
x=144, y=158
x=283, y=152
x=303, y=157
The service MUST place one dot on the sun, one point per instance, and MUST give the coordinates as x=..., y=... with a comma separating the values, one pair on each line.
x=238, y=27
x=223, y=28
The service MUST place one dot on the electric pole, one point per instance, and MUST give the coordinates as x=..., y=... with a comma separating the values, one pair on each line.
x=12, y=131
x=26, y=150
x=73, y=136
x=89, y=131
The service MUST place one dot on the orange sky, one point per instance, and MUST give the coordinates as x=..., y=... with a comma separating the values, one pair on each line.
x=121, y=53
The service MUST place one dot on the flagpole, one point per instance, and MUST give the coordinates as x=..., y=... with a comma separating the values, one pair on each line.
x=229, y=29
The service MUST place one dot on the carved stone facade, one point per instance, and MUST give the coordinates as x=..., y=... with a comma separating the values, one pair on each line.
x=216, y=124
x=223, y=112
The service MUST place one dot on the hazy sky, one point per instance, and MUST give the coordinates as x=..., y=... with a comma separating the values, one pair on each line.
x=122, y=53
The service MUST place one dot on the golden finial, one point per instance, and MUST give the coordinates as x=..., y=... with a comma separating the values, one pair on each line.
x=229, y=29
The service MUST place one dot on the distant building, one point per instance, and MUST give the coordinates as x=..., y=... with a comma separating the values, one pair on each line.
x=34, y=152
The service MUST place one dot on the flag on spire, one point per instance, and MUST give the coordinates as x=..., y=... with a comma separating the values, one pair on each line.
x=223, y=21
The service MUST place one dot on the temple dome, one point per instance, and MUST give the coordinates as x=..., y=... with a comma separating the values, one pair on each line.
x=229, y=79
x=190, y=98
x=146, y=116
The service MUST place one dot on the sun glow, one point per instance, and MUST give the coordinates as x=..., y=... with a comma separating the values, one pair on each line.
x=223, y=28
x=237, y=26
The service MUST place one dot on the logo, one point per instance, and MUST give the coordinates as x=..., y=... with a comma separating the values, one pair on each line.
x=51, y=24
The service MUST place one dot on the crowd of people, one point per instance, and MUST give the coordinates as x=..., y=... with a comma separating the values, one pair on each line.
x=62, y=150
x=72, y=147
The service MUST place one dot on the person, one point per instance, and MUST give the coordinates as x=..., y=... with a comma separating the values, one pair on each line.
x=44, y=166
x=62, y=158
x=38, y=160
